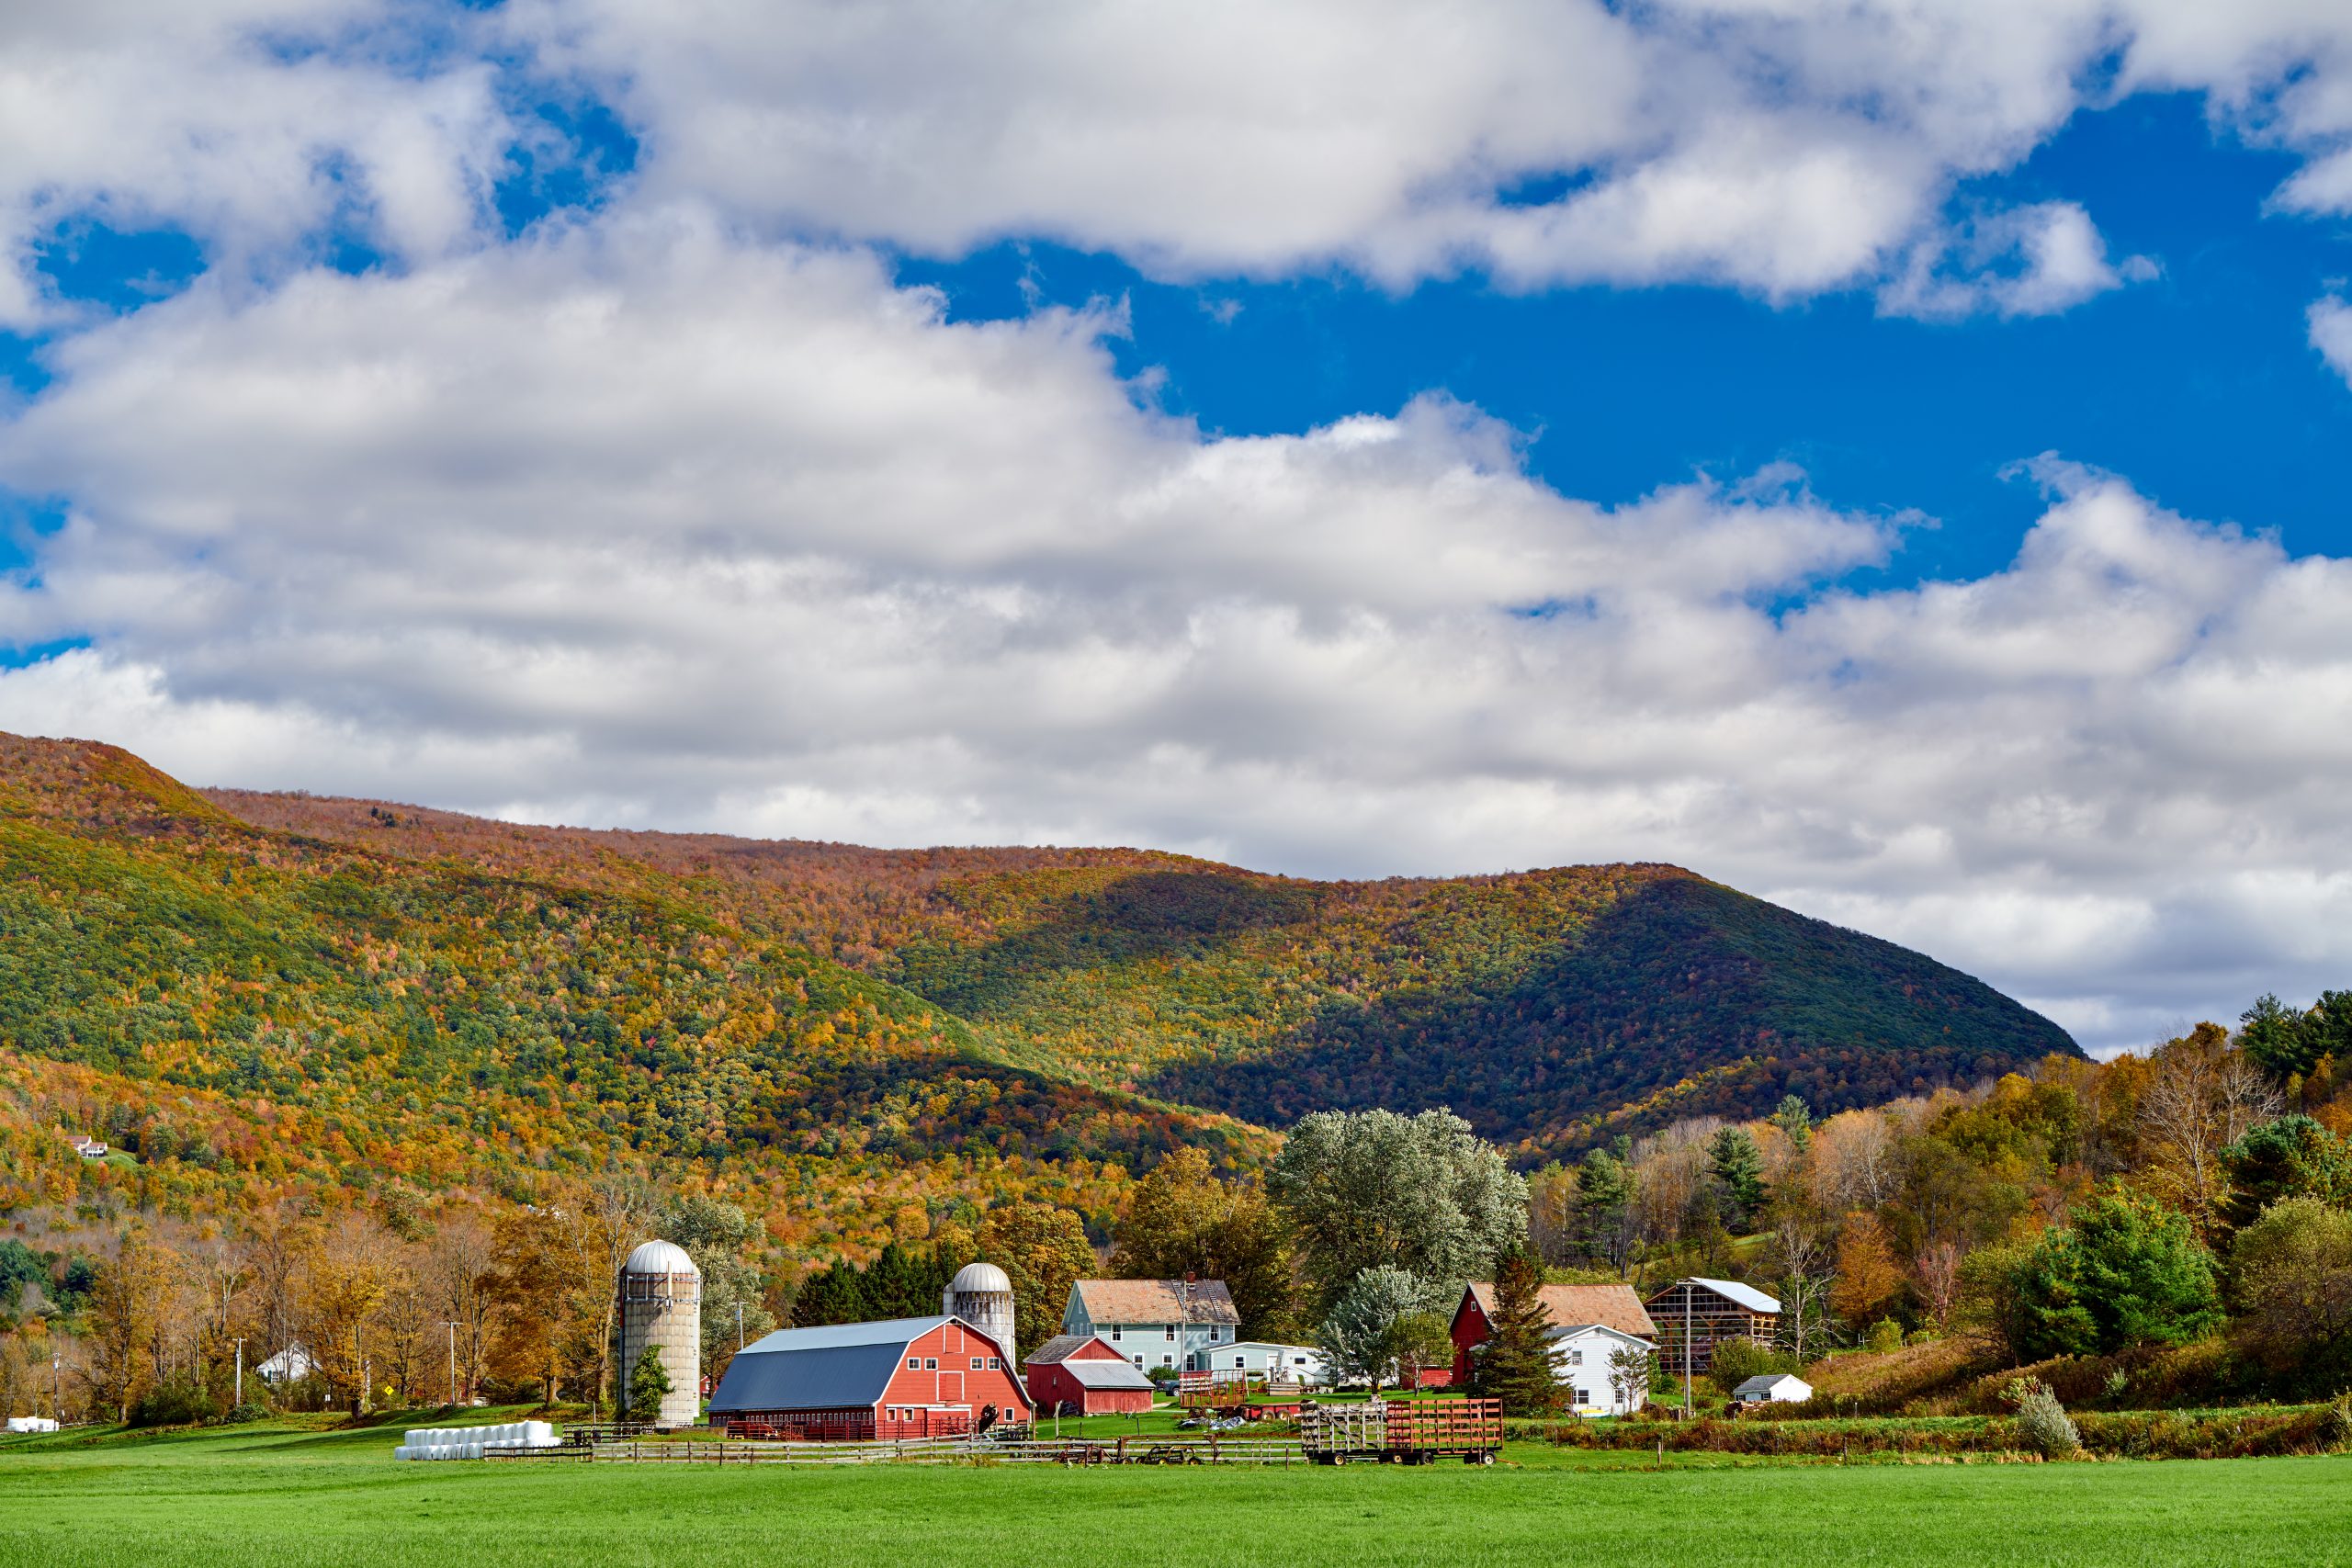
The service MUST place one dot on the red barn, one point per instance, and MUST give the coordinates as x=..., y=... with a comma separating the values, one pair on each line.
x=908, y=1376
x=1079, y=1373
x=1566, y=1306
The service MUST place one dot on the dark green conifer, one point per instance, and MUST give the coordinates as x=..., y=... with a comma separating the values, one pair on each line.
x=1515, y=1366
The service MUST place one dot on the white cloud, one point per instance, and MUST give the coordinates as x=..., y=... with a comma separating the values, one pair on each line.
x=2331, y=323
x=1785, y=147
x=254, y=125
x=2027, y=261
x=642, y=522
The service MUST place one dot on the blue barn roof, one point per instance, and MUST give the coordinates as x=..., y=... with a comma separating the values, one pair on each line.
x=842, y=1366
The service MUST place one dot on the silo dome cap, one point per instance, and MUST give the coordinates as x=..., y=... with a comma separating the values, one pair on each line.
x=661, y=1257
x=975, y=1278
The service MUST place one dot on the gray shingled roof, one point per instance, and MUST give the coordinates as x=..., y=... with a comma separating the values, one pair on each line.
x=1059, y=1348
x=841, y=1366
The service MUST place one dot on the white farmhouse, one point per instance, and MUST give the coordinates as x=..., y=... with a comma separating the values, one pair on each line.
x=1585, y=1355
x=1772, y=1388
x=1154, y=1323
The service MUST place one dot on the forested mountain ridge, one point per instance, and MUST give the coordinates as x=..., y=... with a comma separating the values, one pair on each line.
x=257, y=1014
x=1549, y=1007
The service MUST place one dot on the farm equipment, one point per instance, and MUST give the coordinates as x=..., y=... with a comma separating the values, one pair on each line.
x=1403, y=1431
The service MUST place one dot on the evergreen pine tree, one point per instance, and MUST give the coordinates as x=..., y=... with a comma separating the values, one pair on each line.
x=1515, y=1365
x=1738, y=1168
x=829, y=1295
x=648, y=1381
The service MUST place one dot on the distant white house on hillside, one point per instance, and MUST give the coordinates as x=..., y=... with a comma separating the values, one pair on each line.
x=290, y=1365
x=1772, y=1388
x=86, y=1146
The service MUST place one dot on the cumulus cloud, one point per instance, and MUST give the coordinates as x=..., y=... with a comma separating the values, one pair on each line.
x=256, y=125
x=2331, y=323
x=2028, y=261
x=639, y=520
x=1784, y=147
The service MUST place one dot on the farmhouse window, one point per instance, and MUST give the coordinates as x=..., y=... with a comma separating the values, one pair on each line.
x=1114, y=1333
x=1165, y=1359
x=1584, y=1396
x=1170, y=1331
x=1576, y=1358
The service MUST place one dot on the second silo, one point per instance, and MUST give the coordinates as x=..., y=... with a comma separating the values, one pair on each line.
x=982, y=1296
x=661, y=1305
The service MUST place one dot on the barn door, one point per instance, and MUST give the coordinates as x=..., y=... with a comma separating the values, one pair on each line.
x=951, y=1387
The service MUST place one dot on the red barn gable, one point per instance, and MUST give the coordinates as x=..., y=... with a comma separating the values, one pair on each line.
x=909, y=1377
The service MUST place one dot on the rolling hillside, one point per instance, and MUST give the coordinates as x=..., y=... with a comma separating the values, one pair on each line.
x=257, y=1014
x=260, y=994
x=1547, y=1005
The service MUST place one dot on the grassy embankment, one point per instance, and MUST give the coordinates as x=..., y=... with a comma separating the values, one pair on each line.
x=272, y=1494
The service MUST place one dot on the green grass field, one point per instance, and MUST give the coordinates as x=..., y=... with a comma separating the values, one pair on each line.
x=271, y=1494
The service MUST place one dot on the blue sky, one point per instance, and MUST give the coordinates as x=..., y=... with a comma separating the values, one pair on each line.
x=1888, y=456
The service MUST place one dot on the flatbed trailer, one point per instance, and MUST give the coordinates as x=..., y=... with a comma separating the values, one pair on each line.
x=1403, y=1431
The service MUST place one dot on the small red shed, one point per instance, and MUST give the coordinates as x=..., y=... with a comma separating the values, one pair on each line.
x=909, y=1377
x=1078, y=1374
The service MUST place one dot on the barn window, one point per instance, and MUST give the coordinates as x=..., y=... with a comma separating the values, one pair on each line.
x=914, y=1363
x=931, y=1363
x=995, y=1365
x=976, y=1363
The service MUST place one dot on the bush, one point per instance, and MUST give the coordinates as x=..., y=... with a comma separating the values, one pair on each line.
x=238, y=1414
x=2042, y=1422
x=1161, y=1377
x=1737, y=1359
x=2335, y=1427
x=172, y=1405
x=1885, y=1335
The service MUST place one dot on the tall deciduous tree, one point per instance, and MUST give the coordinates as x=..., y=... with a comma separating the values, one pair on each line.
x=1043, y=1251
x=720, y=1238
x=1515, y=1365
x=1868, y=1275
x=1183, y=1219
x=1372, y=1189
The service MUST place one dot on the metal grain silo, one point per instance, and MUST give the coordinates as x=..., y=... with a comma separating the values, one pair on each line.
x=660, y=1305
x=982, y=1296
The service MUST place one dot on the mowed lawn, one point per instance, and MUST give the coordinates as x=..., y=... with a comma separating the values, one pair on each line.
x=225, y=1500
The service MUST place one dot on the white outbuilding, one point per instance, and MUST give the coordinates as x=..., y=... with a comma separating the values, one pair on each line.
x=1772, y=1388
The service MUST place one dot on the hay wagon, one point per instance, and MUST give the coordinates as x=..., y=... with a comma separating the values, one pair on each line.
x=1403, y=1431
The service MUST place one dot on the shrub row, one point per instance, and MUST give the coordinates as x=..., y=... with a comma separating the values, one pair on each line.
x=2160, y=1433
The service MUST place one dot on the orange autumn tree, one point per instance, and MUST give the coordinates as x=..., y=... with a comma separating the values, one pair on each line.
x=1868, y=1275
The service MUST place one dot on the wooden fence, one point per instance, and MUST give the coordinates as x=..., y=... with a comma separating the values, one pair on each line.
x=928, y=1450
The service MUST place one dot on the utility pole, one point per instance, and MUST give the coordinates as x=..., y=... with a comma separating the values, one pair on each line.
x=240, y=1371
x=56, y=1410
x=452, y=1323
x=1687, y=1294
